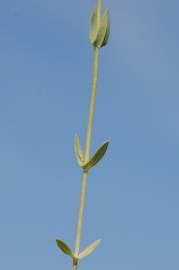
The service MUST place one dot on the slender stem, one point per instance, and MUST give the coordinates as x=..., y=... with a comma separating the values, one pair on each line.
x=75, y=266
x=99, y=10
x=88, y=144
x=87, y=152
x=92, y=104
x=81, y=211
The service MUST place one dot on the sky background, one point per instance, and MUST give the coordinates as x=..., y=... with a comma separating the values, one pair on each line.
x=45, y=85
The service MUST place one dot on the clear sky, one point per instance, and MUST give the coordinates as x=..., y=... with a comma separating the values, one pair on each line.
x=45, y=85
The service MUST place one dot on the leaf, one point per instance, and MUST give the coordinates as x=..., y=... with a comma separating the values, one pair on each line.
x=93, y=25
x=103, y=31
x=105, y=41
x=78, y=151
x=89, y=249
x=97, y=156
x=64, y=247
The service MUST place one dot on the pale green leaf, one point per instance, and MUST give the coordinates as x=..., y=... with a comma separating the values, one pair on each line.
x=97, y=156
x=64, y=247
x=89, y=249
x=93, y=26
x=105, y=41
x=103, y=31
x=78, y=151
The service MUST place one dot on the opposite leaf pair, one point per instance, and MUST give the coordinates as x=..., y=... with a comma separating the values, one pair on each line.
x=99, y=34
x=66, y=249
x=86, y=166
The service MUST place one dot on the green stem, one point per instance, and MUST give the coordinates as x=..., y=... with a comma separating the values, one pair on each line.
x=92, y=104
x=81, y=211
x=88, y=144
x=99, y=10
x=87, y=153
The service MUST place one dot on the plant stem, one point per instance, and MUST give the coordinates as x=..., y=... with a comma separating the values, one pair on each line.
x=99, y=10
x=80, y=215
x=87, y=153
x=88, y=143
x=92, y=104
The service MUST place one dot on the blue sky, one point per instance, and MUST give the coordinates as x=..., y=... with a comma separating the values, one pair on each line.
x=132, y=199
